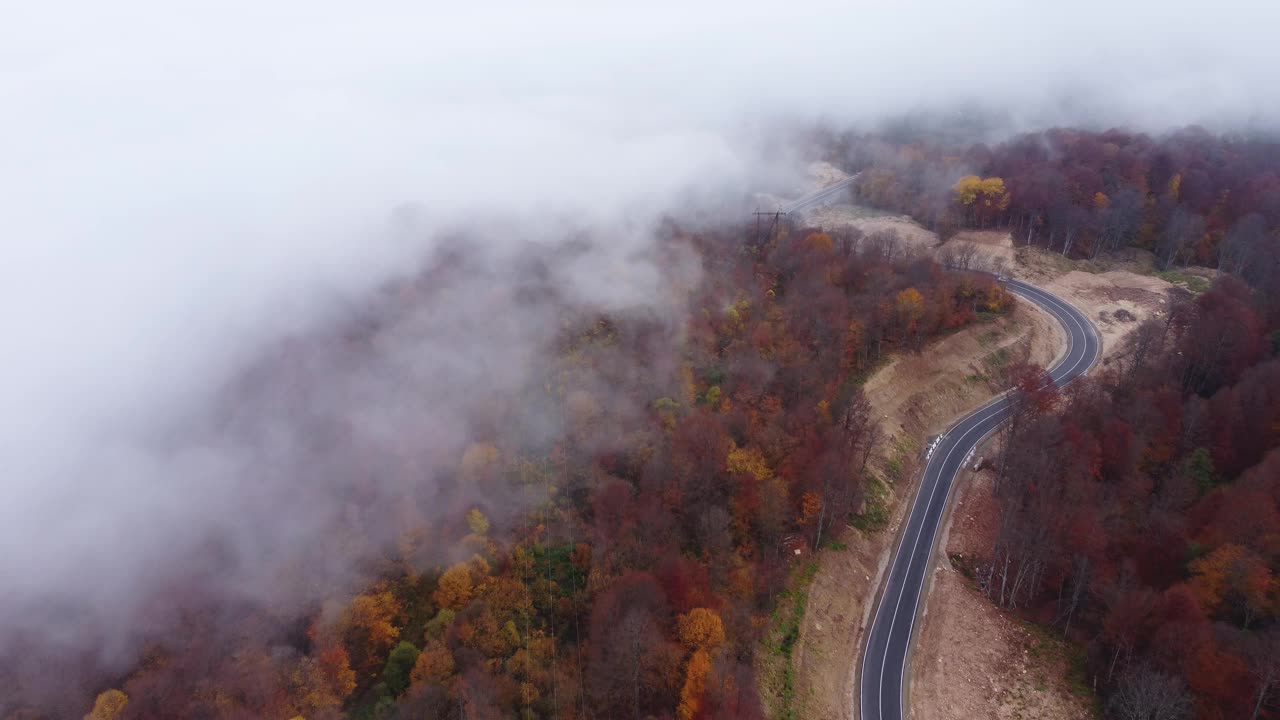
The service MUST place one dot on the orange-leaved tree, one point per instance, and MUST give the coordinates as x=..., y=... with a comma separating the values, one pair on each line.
x=369, y=627
x=695, y=683
x=701, y=629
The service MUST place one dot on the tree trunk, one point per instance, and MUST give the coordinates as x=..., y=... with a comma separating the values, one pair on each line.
x=1257, y=706
x=1080, y=578
x=635, y=680
x=822, y=513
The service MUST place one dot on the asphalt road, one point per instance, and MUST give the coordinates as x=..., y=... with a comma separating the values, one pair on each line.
x=888, y=646
x=831, y=193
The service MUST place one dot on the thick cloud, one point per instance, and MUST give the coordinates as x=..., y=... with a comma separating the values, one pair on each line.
x=180, y=184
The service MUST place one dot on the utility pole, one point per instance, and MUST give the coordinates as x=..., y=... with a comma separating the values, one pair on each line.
x=777, y=215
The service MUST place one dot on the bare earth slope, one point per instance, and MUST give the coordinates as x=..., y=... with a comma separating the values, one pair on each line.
x=973, y=660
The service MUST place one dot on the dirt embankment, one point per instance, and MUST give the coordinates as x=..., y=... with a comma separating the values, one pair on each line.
x=990, y=250
x=912, y=236
x=971, y=659
x=824, y=174
x=1117, y=292
x=914, y=396
x=1117, y=301
x=917, y=395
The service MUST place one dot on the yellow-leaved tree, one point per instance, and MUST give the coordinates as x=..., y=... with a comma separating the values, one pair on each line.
x=967, y=189
x=994, y=194
x=750, y=461
x=108, y=706
x=982, y=198
x=910, y=306
x=478, y=523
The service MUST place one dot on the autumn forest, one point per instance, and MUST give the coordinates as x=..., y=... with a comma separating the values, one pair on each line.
x=628, y=561
x=1140, y=509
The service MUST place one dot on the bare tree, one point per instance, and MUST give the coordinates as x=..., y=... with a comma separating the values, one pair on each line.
x=1021, y=551
x=847, y=240
x=1246, y=238
x=966, y=254
x=872, y=439
x=1120, y=221
x=1079, y=582
x=637, y=631
x=886, y=245
x=1075, y=219
x=1024, y=487
x=1029, y=392
x=948, y=257
x=1146, y=694
x=1141, y=345
x=1177, y=239
x=861, y=432
x=1264, y=663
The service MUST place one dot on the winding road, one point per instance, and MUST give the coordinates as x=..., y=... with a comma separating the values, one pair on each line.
x=887, y=652
x=818, y=197
x=883, y=682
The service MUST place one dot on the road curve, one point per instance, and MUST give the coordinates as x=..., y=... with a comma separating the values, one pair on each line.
x=881, y=687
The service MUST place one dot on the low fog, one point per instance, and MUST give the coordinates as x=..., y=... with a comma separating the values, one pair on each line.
x=184, y=189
